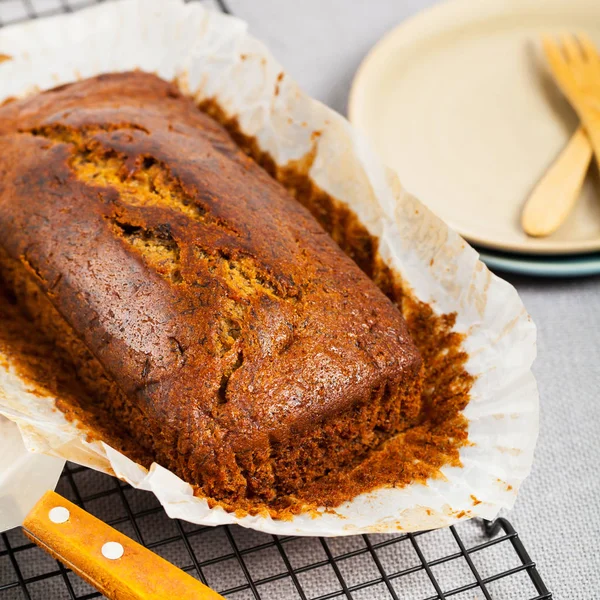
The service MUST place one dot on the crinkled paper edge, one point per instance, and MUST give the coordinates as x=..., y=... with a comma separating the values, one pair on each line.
x=217, y=59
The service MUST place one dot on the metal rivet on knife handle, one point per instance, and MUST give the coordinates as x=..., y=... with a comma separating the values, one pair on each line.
x=59, y=514
x=112, y=550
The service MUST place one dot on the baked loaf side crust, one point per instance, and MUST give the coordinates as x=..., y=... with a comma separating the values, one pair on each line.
x=197, y=300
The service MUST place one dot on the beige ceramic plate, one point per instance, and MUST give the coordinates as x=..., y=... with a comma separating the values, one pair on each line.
x=459, y=101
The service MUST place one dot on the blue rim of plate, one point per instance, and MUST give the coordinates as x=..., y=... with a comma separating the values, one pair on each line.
x=579, y=265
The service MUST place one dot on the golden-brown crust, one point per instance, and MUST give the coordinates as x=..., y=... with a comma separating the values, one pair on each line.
x=214, y=301
x=441, y=430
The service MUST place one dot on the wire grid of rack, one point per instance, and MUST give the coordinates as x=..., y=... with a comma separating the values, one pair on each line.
x=460, y=562
x=473, y=560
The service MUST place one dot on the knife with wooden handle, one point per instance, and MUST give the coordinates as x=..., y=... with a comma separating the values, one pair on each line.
x=110, y=561
x=114, y=564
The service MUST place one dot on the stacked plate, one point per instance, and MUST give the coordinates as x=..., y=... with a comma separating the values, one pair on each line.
x=460, y=102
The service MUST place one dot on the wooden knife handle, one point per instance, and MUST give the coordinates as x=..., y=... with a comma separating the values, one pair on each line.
x=91, y=548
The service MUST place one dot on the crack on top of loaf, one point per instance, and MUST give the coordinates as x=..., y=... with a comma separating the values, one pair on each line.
x=244, y=275
x=229, y=327
x=31, y=267
x=145, y=181
x=58, y=132
x=178, y=350
x=226, y=377
x=156, y=246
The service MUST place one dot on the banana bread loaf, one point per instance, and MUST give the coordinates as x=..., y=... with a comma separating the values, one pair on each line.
x=196, y=300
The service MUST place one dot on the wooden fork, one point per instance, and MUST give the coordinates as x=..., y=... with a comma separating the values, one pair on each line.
x=576, y=69
x=555, y=194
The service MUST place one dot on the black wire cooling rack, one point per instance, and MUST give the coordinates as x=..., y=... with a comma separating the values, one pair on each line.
x=471, y=561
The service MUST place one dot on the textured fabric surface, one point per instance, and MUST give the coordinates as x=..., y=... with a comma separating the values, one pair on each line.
x=321, y=43
x=558, y=510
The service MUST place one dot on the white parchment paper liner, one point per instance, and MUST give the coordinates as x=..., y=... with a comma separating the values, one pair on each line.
x=217, y=58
